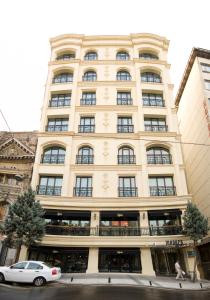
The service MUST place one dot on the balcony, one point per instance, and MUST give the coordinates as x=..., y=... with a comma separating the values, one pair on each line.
x=53, y=159
x=162, y=191
x=67, y=230
x=86, y=128
x=88, y=101
x=85, y=159
x=56, y=128
x=49, y=190
x=127, y=192
x=59, y=103
x=83, y=191
x=125, y=128
x=8, y=188
x=161, y=159
x=124, y=101
x=150, y=102
x=156, y=128
x=126, y=159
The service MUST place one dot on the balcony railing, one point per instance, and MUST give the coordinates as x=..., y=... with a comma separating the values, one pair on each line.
x=49, y=190
x=150, y=102
x=124, y=101
x=69, y=230
x=87, y=101
x=59, y=103
x=86, y=128
x=126, y=159
x=83, y=191
x=53, y=159
x=128, y=192
x=89, y=78
x=57, y=128
x=162, y=191
x=156, y=127
x=125, y=128
x=8, y=188
x=85, y=159
x=161, y=159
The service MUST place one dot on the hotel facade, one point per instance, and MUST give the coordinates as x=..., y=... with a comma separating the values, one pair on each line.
x=109, y=169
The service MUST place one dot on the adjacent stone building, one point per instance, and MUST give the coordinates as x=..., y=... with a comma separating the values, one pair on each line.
x=17, y=153
x=109, y=170
x=193, y=102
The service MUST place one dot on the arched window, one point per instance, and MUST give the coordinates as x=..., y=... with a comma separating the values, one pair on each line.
x=91, y=55
x=158, y=155
x=63, y=78
x=148, y=56
x=66, y=56
x=85, y=155
x=126, y=155
x=54, y=155
x=150, y=77
x=123, y=75
x=122, y=55
x=90, y=76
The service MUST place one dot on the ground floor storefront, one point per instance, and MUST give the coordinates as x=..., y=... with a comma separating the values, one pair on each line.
x=204, y=260
x=147, y=261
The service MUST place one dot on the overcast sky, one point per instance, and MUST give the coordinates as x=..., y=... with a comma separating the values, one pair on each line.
x=27, y=25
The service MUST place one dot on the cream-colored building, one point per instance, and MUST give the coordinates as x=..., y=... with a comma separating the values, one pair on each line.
x=109, y=169
x=193, y=102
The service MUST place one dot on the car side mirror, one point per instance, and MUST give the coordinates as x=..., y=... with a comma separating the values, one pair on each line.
x=11, y=267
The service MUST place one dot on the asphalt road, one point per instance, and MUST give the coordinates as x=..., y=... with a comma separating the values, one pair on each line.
x=51, y=292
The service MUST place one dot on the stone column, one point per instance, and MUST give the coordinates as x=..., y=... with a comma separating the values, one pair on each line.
x=92, y=261
x=143, y=222
x=146, y=262
x=23, y=253
x=94, y=222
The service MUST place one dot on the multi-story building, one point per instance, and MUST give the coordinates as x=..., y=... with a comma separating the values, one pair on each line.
x=193, y=102
x=109, y=169
x=17, y=153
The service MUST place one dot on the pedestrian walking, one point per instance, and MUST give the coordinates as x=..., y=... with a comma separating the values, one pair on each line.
x=179, y=270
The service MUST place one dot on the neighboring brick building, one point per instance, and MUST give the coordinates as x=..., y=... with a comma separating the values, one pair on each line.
x=17, y=152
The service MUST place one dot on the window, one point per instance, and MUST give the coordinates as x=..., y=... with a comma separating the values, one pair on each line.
x=150, y=99
x=89, y=76
x=127, y=187
x=158, y=155
x=57, y=125
x=63, y=78
x=85, y=155
x=122, y=55
x=83, y=187
x=87, y=124
x=150, y=77
x=124, y=98
x=60, y=100
x=162, y=186
x=147, y=56
x=19, y=266
x=123, y=76
x=205, y=68
x=66, y=56
x=124, y=125
x=91, y=56
x=126, y=155
x=49, y=185
x=34, y=266
x=155, y=124
x=207, y=84
x=88, y=98
x=54, y=155
x=9, y=179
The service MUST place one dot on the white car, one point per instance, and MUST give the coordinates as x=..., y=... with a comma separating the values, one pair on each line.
x=35, y=272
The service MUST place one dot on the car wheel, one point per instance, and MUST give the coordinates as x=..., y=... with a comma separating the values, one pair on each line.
x=2, y=277
x=39, y=281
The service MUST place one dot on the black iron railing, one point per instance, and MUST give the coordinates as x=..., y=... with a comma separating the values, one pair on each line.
x=156, y=127
x=85, y=159
x=86, y=128
x=125, y=128
x=128, y=192
x=59, y=103
x=124, y=101
x=162, y=191
x=53, y=159
x=159, y=159
x=83, y=191
x=87, y=101
x=150, y=102
x=57, y=128
x=126, y=159
x=49, y=190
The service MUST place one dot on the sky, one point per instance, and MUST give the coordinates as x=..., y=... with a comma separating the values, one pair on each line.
x=27, y=25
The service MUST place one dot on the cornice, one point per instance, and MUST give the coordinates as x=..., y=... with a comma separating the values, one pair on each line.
x=158, y=134
x=115, y=167
x=102, y=83
x=103, y=108
x=63, y=62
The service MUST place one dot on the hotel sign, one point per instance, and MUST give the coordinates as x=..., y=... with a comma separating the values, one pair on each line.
x=175, y=243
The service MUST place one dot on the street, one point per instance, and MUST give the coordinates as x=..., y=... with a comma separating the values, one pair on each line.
x=80, y=292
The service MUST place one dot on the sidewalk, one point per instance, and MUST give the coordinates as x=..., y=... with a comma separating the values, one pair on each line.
x=133, y=279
